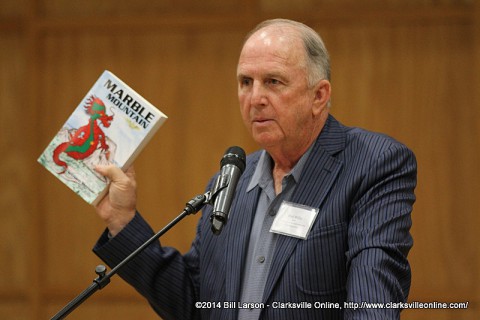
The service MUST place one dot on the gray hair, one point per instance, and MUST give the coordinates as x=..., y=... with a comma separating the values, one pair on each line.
x=317, y=58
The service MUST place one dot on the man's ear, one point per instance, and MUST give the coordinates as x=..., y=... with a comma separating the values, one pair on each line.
x=323, y=91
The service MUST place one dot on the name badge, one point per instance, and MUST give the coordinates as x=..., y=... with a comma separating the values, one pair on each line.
x=294, y=220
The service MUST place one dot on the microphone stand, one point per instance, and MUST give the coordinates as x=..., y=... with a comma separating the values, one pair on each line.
x=103, y=279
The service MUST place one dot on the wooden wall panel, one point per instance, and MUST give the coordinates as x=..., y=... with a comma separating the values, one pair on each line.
x=18, y=310
x=122, y=8
x=330, y=5
x=13, y=9
x=473, y=136
x=13, y=249
x=413, y=75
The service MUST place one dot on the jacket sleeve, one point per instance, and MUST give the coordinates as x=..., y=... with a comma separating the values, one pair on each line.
x=379, y=237
x=162, y=275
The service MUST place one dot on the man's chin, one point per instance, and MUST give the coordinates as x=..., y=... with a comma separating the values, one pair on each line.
x=266, y=141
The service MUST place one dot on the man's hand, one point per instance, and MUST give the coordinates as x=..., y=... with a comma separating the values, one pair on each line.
x=118, y=207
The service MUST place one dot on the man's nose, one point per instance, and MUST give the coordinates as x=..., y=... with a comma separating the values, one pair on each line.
x=258, y=97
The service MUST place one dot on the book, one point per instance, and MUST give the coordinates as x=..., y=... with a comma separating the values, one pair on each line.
x=111, y=125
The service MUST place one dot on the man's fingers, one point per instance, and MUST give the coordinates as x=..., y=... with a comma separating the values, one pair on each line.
x=113, y=173
x=117, y=209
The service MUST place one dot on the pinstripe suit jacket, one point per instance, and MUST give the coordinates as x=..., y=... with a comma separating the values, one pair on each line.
x=363, y=184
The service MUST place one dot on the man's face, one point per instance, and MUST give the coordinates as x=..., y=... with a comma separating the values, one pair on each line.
x=275, y=100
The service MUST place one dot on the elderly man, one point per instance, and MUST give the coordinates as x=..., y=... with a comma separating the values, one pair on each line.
x=351, y=192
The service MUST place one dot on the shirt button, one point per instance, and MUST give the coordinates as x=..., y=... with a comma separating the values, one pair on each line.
x=261, y=259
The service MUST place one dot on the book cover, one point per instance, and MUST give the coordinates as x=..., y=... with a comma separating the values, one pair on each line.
x=111, y=125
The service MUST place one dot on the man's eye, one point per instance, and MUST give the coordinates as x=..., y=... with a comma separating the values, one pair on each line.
x=273, y=81
x=245, y=82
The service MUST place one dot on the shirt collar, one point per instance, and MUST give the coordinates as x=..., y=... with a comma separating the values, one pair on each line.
x=263, y=171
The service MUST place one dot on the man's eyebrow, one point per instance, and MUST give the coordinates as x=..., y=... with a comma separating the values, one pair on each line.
x=242, y=76
x=276, y=75
x=273, y=75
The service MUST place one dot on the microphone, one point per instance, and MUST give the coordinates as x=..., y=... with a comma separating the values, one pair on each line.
x=232, y=166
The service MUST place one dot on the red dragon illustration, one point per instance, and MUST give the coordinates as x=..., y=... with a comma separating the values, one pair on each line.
x=88, y=138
